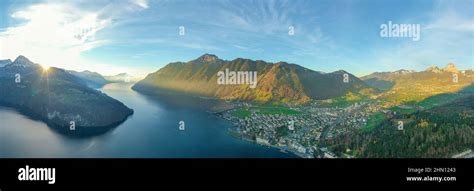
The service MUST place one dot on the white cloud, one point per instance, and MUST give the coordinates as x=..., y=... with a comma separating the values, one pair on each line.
x=53, y=34
x=57, y=34
x=452, y=21
x=446, y=38
x=268, y=17
x=141, y=3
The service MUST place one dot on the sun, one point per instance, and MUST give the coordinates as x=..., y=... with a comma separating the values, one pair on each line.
x=45, y=67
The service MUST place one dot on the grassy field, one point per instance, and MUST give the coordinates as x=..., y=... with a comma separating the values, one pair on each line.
x=426, y=103
x=373, y=121
x=267, y=110
x=347, y=100
x=241, y=113
x=275, y=110
x=338, y=102
x=438, y=100
x=402, y=110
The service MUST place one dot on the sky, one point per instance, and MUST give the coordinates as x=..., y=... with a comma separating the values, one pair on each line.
x=141, y=36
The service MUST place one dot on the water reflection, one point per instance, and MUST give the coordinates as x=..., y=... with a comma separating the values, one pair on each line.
x=152, y=132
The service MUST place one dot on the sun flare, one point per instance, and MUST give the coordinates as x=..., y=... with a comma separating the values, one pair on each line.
x=45, y=67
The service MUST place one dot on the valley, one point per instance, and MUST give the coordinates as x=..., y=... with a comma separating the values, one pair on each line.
x=309, y=113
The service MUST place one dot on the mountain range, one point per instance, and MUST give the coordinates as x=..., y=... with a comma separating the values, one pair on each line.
x=408, y=85
x=121, y=78
x=284, y=83
x=58, y=97
x=92, y=79
x=5, y=62
x=96, y=80
x=278, y=83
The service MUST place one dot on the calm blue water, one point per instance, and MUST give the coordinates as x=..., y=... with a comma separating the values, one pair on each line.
x=152, y=132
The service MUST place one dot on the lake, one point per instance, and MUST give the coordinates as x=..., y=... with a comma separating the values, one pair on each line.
x=151, y=132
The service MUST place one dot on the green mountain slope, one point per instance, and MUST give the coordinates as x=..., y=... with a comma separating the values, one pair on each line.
x=278, y=83
x=441, y=131
x=407, y=86
x=58, y=97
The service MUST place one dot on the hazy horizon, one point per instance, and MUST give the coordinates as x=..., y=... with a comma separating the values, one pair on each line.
x=141, y=36
x=143, y=76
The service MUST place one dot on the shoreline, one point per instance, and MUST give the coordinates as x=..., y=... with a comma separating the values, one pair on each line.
x=280, y=148
x=79, y=132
